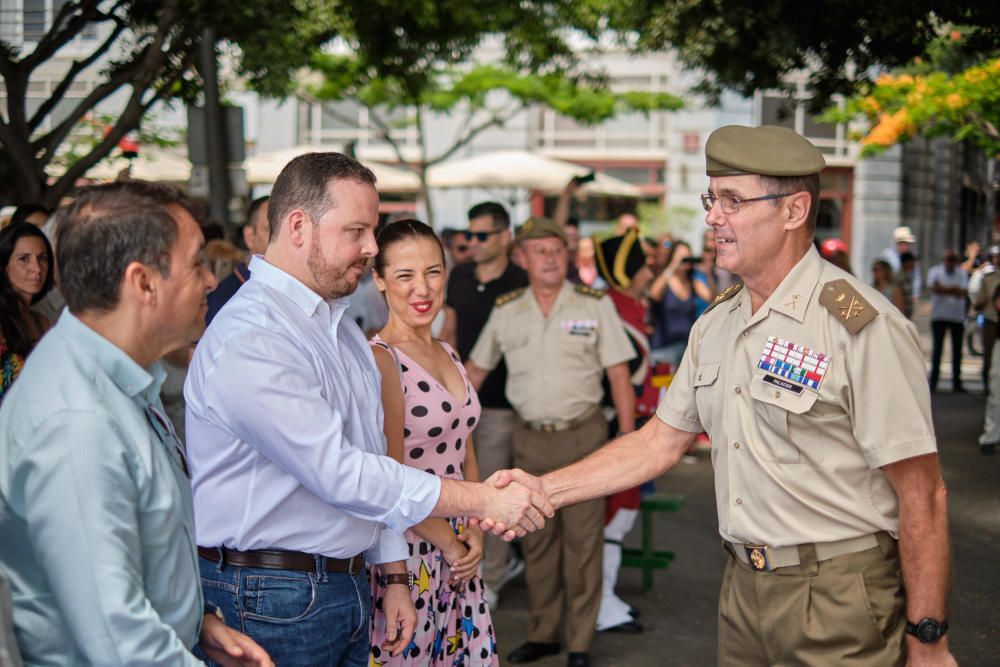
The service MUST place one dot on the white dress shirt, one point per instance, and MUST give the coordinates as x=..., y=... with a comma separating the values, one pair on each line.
x=284, y=430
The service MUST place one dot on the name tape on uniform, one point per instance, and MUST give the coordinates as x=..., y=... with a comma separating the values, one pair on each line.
x=794, y=362
x=579, y=327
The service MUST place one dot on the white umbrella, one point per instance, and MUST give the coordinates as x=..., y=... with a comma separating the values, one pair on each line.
x=521, y=169
x=265, y=167
x=151, y=165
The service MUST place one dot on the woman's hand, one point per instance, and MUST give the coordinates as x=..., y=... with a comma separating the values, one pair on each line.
x=467, y=567
x=454, y=552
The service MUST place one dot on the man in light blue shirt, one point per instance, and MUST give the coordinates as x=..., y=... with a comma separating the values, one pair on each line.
x=95, y=503
x=293, y=492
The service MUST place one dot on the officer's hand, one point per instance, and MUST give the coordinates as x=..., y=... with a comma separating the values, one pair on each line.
x=514, y=510
x=929, y=655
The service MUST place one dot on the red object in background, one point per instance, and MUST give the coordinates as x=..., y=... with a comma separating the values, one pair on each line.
x=128, y=147
x=830, y=247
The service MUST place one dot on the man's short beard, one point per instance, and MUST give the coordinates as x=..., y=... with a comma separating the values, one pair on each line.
x=330, y=283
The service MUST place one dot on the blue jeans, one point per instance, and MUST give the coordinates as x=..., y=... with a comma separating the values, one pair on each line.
x=300, y=618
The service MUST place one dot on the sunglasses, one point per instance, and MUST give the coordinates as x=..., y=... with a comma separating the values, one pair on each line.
x=479, y=236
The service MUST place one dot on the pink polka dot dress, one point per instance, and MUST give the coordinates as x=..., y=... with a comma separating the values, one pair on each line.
x=454, y=627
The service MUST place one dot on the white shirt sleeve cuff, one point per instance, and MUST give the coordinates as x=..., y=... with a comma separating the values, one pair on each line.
x=417, y=499
x=390, y=547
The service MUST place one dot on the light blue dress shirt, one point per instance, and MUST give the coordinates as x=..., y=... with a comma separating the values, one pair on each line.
x=284, y=430
x=95, y=510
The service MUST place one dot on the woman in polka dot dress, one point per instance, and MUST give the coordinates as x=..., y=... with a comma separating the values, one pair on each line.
x=430, y=412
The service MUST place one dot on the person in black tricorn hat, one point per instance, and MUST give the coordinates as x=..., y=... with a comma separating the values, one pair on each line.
x=622, y=264
x=811, y=387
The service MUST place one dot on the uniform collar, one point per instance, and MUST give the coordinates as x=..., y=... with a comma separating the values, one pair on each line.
x=131, y=379
x=793, y=295
x=309, y=301
x=557, y=304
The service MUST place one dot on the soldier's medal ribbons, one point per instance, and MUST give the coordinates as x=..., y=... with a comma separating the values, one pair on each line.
x=795, y=366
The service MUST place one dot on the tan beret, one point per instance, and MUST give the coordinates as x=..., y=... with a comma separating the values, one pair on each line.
x=537, y=227
x=767, y=150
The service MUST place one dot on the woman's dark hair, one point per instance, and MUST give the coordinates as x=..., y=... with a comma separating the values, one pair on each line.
x=399, y=231
x=15, y=333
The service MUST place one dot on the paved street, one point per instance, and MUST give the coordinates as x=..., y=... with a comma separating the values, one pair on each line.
x=679, y=614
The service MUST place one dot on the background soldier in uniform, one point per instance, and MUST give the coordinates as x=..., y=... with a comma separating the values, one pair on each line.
x=811, y=386
x=558, y=340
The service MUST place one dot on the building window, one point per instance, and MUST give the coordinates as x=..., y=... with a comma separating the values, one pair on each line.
x=777, y=108
x=33, y=18
x=347, y=121
x=624, y=134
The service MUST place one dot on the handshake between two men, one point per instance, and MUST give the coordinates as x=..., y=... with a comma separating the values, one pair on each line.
x=514, y=503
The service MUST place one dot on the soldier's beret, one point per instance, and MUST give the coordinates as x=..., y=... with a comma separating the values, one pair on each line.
x=537, y=227
x=768, y=150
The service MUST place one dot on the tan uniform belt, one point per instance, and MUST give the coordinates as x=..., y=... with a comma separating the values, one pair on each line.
x=560, y=424
x=764, y=558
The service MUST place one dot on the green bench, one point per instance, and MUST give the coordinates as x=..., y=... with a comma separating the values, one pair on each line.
x=646, y=557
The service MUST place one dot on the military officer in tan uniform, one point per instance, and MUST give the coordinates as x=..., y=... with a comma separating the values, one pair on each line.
x=558, y=341
x=811, y=385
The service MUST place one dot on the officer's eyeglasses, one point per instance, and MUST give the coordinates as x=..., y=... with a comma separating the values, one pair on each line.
x=730, y=204
x=479, y=236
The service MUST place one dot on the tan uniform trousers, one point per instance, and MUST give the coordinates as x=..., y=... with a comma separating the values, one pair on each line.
x=493, y=452
x=563, y=560
x=846, y=611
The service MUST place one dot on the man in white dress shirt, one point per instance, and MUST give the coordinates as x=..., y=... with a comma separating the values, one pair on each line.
x=292, y=490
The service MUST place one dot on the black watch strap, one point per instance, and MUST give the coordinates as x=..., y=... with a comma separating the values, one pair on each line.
x=927, y=630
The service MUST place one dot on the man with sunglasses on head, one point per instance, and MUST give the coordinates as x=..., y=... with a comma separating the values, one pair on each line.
x=472, y=289
x=832, y=509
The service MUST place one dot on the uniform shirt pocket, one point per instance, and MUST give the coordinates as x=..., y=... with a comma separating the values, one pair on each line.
x=773, y=408
x=706, y=393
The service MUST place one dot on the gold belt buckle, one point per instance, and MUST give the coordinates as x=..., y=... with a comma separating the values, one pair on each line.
x=757, y=557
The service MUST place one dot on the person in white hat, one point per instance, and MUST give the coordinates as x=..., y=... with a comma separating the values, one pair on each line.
x=903, y=241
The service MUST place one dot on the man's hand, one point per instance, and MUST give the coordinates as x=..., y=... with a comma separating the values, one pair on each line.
x=518, y=485
x=517, y=504
x=228, y=647
x=928, y=655
x=400, y=618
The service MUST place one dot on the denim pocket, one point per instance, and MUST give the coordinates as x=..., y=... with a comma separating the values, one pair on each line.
x=278, y=599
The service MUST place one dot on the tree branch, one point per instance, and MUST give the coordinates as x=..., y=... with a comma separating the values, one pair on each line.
x=387, y=135
x=58, y=35
x=147, y=63
x=78, y=66
x=496, y=118
x=127, y=121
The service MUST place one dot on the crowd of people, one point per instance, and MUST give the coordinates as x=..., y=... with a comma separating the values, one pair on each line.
x=349, y=471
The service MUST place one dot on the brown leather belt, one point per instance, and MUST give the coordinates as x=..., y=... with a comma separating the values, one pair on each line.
x=282, y=560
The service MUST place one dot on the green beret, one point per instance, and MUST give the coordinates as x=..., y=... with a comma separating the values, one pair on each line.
x=537, y=227
x=768, y=150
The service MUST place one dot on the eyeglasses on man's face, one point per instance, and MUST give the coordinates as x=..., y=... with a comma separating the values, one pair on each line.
x=730, y=204
x=479, y=236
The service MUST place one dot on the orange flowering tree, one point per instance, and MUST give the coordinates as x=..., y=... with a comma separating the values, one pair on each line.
x=931, y=102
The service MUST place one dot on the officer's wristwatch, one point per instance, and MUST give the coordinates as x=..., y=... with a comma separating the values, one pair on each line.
x=406, y=579
x=927, y=630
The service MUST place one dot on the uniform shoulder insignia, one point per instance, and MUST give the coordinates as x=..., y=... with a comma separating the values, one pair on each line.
x=849, y=307
x=589, y=291
x=504, y=299
x=725, y=295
